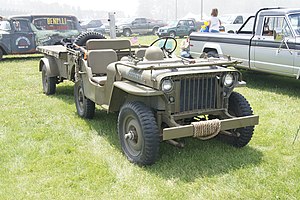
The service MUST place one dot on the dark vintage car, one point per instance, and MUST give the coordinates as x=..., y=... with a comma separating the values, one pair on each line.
x=22, y=34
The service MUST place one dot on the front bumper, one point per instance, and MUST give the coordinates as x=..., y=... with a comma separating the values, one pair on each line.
x=226, y=124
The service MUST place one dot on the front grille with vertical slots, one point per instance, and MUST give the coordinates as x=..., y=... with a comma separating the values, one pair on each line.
x=200, y=93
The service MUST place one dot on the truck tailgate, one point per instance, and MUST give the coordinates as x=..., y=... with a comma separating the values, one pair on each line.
x=57, y=51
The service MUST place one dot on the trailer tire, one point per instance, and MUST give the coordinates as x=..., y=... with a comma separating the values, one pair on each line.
x=49, y=83
x=85, y=36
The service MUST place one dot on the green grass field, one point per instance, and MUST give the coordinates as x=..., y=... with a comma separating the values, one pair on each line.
x=48, y=152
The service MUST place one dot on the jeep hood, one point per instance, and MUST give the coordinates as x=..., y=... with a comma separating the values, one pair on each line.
x=142, y=74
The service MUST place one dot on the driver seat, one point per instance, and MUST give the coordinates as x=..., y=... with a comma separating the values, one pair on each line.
x=154, y=53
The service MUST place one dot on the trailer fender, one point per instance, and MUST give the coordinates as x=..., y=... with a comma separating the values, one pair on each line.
x=51, y=66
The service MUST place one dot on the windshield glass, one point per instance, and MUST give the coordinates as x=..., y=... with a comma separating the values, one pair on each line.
x=54, y=23
x=295, y=22
x=4, y=25
x=172, y=23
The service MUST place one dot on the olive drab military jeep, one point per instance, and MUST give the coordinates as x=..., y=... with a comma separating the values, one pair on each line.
x=158, y=96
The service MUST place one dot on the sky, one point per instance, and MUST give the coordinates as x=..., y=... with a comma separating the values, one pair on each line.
x=128, y=6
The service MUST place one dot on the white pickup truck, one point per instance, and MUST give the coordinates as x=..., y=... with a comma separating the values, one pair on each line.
x=267, y=42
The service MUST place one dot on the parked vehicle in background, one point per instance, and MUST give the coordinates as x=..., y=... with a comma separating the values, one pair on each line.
x=21, y=34
x=90, y=24
x=16, y=37
x=93, y=25
x=50, y=29
x=267, y=42
x=139, y=26
x=181, y=28
x=233, y=22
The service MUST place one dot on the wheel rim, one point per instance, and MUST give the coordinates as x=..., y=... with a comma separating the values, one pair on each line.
x=80, y=99
x=133, y=138
x=172, y=34
x=45, y=81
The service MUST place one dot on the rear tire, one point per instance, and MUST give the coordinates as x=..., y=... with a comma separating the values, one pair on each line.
x=85, y=36
x=1, y=54
x=49, y=83
x=84, y=106
x=126, y=32
x=239, y=107
x=213, y=54
x=154, y=31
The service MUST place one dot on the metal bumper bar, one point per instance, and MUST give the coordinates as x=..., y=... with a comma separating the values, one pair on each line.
x=226, y=124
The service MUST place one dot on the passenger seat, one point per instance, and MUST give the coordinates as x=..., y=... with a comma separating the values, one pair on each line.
x=98, y=60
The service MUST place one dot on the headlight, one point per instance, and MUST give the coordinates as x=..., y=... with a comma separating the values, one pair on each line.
x=167, y=85
x=228, y=80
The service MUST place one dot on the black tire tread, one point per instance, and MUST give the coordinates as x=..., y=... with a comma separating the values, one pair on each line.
x=88, y=111
x=150, y=130
x=83, y=37
x=1, y=54
x=239, y=106
x=51, y=89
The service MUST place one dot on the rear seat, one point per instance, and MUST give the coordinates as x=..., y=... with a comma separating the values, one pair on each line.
x=98, y=60
x=121, y=46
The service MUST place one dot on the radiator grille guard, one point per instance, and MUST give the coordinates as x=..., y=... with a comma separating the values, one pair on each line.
x=203, y=93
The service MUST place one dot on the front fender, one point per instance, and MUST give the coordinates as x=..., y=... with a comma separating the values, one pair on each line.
x=123, y=91
x=51, y=66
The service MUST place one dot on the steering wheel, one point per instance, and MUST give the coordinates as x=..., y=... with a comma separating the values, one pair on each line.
x=164, y=47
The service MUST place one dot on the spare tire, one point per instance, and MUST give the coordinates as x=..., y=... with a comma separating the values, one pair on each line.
x=83, y=37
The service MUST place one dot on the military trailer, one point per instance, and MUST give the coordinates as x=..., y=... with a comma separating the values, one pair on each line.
x=158, y=96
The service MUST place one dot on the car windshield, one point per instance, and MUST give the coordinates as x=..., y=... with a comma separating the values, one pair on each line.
x=295, y=22
x=4, y=25
x=172, y=23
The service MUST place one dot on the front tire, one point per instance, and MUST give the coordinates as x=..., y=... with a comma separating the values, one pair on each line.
x=138, y=133
x=84, y=106
x=49, y=83
x=239, y=107
x=172, y=34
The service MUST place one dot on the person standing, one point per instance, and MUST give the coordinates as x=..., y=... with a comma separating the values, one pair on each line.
x=185, y=48
x=214, y=22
